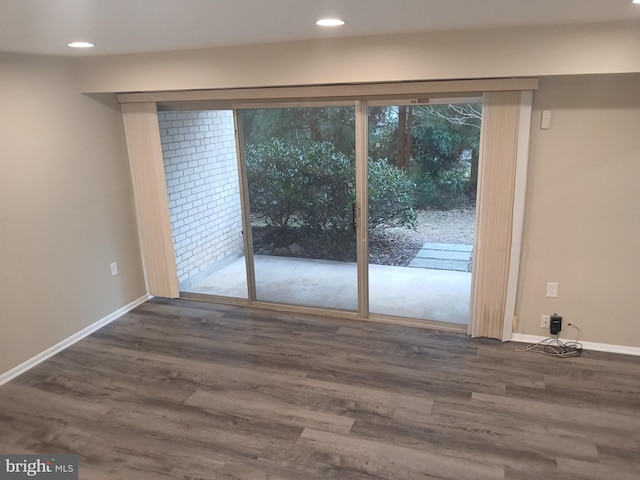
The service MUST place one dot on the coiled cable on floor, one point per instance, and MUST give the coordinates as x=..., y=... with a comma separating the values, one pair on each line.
x=555, y=347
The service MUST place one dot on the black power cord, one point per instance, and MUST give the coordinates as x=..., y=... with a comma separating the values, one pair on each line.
x=555, y=347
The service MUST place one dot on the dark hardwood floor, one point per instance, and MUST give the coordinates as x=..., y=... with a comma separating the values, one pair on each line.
x=184, y=390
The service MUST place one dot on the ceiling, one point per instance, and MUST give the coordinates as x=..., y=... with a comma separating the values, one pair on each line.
x=131, y=26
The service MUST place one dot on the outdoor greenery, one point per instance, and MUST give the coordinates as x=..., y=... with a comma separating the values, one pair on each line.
x=300, y=163
x=391, y=196
x=306, y=184
x=437, y=144
x=312, y=185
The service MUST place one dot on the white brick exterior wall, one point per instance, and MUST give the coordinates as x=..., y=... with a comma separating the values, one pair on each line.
x=202, y=182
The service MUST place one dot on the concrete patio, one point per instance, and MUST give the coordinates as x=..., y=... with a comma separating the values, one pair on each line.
x=420, y=293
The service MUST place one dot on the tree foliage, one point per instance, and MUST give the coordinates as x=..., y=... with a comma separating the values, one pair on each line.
x=300, y=162
x=301, y=126
x=437, y=144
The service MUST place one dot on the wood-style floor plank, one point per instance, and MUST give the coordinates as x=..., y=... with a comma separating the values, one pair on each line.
x=252, y=405
x=390, y=461
x=186, y=390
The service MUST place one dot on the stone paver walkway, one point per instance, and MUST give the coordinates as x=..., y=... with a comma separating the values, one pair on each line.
x=443, y=256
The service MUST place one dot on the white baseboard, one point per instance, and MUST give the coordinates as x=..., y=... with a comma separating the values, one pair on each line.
x=598, y=347
x=67, y=342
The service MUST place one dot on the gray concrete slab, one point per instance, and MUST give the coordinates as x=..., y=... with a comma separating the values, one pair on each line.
x=419, y=293
x=443, y=254
x=453, y=247
x=440, y=264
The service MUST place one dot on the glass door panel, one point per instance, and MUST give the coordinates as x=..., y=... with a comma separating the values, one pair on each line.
x=422, y=186
x=201, y=169
x=300, y=165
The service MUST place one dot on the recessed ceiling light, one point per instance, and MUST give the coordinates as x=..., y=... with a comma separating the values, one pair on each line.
x=635, y=1
x=330, y=22
x=80, y=45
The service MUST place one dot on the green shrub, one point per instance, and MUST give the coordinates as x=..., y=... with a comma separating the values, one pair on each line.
x=272, y=183
x=391, y=196
x=293, y=185
x=313, y=186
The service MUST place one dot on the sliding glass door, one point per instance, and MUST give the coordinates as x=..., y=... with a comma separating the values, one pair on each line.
x=267, y=203
x=300, y=169
x=422, y=166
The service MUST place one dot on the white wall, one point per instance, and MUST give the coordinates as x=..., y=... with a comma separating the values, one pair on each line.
x=582, y=218
x=494, y=53
x=66, y=208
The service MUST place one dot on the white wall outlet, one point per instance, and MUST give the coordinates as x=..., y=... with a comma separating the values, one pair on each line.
x=552, y=289
x=544, y=321
x=114, y=268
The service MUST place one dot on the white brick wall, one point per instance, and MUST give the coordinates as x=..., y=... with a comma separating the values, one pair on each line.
x=202, y=182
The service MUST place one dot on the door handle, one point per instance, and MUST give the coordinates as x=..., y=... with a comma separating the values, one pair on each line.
x=354, y=219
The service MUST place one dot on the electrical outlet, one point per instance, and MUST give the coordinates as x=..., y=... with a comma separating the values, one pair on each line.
x=552, y=289
x=114, y=268
x=544, y=321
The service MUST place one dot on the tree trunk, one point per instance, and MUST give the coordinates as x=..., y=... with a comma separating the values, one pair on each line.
x=408, y=144
x=404, y=142
x=314, y=128
x=401, y=137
